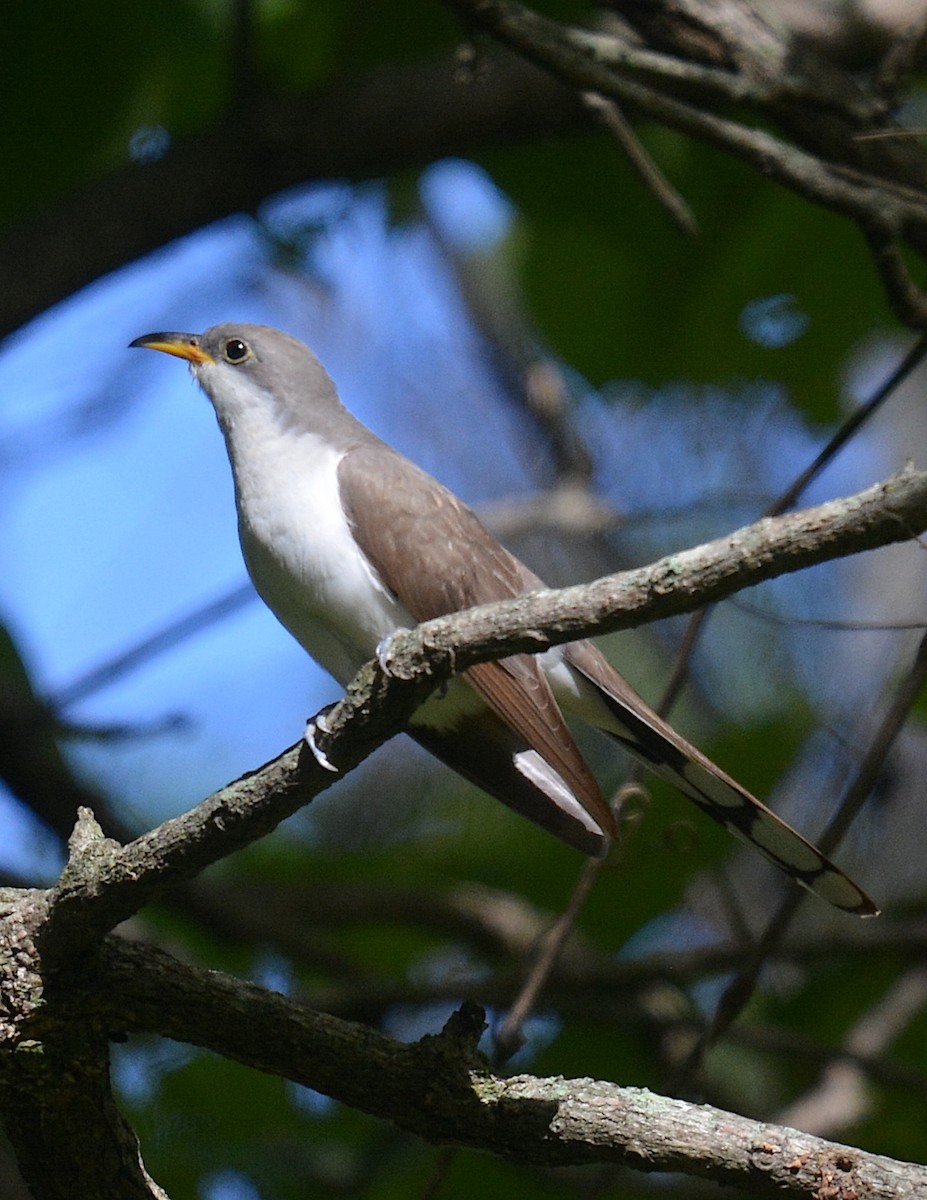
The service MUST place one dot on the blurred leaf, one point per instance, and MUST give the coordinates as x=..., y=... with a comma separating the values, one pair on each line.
x=619, y=293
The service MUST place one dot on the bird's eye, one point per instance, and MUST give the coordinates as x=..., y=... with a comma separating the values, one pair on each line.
x=236, y=351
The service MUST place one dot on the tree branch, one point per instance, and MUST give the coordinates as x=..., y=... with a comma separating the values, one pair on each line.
x=105, y=883
x=55, y=1095
x=407, y=115
x=440, y=1088
x=835, y=170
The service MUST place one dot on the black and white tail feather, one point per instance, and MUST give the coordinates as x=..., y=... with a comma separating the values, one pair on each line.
x=668, y=755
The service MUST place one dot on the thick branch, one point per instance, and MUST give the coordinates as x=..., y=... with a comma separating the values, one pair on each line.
x=54, y=1085
x=581, y=61
x=884, y=195
x=55, y=1095
x=441, y=1089
x=105, y=883
x=719, y=50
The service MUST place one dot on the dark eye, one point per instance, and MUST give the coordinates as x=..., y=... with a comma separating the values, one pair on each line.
x=236, y=350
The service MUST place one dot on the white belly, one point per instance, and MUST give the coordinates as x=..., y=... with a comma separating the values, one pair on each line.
x=305, y=563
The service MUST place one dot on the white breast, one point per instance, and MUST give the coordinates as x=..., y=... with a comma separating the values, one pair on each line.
x=300, y=551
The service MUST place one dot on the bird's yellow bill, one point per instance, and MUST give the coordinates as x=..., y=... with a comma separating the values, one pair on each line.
x=181, y=345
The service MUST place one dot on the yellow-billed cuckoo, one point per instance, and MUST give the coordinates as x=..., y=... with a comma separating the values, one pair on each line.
x=347, y=541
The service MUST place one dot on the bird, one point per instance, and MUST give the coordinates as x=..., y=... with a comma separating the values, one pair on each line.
x=347, y=541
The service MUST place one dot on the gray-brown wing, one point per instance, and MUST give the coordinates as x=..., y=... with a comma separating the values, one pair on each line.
x=436, y=557
x=427, y=546
x=517, y=690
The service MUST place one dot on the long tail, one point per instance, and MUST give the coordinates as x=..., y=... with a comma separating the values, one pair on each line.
x=648, y=737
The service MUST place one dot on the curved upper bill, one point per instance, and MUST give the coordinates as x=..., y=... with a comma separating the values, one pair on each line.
x=181, y=345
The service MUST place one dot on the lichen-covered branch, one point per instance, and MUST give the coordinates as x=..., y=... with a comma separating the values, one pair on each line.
x=105, y=883
x=441, y=1088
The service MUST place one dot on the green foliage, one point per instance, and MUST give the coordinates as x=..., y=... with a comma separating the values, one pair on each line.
x=619, y=292
x=80, y=78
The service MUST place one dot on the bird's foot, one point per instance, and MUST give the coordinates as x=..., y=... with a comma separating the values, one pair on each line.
x=384, y=646
x=319, y=725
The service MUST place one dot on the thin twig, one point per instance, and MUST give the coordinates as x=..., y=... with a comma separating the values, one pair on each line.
x=855, y=421
x=825, y=624
x=509, y=1037
x=670, y=200
x=789, y=498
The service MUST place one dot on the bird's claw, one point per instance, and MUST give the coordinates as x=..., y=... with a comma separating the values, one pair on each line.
x=316, y=725
x=383, y=648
